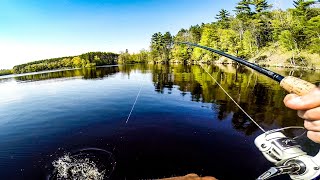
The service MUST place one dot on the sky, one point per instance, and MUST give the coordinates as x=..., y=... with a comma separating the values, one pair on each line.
x=40, y=29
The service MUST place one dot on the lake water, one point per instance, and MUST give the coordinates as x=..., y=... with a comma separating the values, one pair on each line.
x=182, y=121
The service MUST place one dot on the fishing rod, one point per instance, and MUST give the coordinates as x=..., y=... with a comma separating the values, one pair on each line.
x=289, y=83
x=277, y=148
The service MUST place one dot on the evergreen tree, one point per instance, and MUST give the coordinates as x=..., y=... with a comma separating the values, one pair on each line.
x=223, y=15
x=195, y=33
x=260, y=5
x=223, y=18
x=156, y=46
x=302, y=7
x=243, y=8
x=302, y=4
x=313, y=33
x=180, y=52
x=168, y=43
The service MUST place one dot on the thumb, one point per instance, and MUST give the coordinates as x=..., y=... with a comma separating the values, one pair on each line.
x=308, y=101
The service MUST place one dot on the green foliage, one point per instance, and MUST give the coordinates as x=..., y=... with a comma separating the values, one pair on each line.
x=287, y=40
x=302, y=4
x=260, y=5
x=181, y=53
x=90, y=59
x=313, y=33
x=253, y=29
x=223, y=18
x=195, y=34
x=243, y=8
x=161, y=46
x=5, y=72
x=249, y=44
x=125, y=58
x=314, y=45
x=209, y=38
x=142, y=57
x=223, y=15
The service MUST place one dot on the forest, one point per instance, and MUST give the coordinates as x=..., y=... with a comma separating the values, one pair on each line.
x=87, y=60
x=257, y=31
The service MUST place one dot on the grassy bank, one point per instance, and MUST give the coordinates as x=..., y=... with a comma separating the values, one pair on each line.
x=288, y=59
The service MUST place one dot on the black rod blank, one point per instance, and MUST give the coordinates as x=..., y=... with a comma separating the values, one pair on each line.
x=272, y=75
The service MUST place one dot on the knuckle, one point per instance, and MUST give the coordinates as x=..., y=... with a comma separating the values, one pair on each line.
x=307, y=125
x=314, y=136
x=302, y=114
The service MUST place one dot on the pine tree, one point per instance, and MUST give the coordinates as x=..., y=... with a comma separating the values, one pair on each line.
x=223, y=15
x=168, y=43
x=223, y=18
x=195, y=33
x=243, y=7
x=302, y=5
x=261, y=5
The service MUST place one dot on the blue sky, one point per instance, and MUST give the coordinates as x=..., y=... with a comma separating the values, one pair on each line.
x=37, y=29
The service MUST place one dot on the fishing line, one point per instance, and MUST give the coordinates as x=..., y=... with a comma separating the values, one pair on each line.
x=289, y=127
x=135, y=101
x=90, y=163
x=233, y=100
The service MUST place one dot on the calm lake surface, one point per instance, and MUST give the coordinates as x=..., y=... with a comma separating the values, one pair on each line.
x=182, y=121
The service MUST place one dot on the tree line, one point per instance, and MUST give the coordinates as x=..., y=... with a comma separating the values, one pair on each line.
x=5, y=72
x=254, y=28
x=86, y=60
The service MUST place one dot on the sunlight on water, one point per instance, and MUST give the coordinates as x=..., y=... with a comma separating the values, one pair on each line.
x=10, y=92
x=68, y=167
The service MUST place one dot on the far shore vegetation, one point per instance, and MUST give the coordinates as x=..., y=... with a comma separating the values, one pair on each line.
x=5, y=72
x=87, y=60
x=258, y=32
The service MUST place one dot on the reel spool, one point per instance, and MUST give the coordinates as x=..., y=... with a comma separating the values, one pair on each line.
x=288, y=157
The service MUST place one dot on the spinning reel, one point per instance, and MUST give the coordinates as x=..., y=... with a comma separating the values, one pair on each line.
x=287, y=156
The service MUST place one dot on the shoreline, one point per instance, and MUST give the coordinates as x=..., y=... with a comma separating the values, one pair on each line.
x=285, y=66
x=49, y=71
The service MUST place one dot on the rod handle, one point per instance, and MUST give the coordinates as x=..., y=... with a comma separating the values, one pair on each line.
x=296, y=85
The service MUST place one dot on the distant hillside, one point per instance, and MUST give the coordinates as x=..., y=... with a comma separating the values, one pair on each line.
x=90, y=59
x=5, y=72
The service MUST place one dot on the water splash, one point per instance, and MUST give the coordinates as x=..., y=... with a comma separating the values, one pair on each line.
x=78, y=169
x=85, y=164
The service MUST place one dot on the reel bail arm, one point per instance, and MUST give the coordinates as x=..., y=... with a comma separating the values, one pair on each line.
x=288, y=157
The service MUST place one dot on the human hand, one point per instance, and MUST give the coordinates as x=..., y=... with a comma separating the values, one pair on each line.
x=190, y=177
x=308, y=107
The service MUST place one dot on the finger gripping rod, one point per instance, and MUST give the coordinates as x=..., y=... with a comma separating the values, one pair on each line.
x=289, y=83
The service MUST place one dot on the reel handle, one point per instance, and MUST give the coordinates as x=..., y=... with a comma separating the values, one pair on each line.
x=288, y=157
x=276, y=171
x=296, y=85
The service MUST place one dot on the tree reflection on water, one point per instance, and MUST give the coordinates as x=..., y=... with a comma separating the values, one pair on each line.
x=258, y=95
